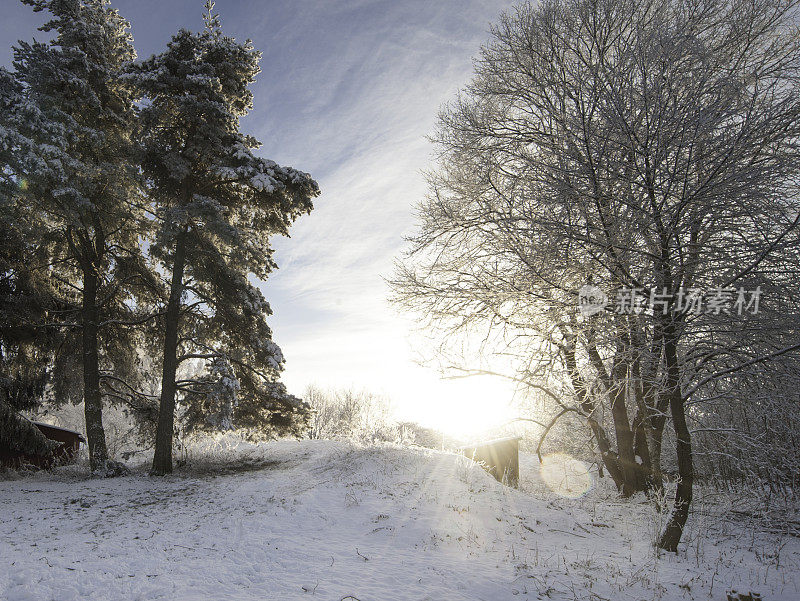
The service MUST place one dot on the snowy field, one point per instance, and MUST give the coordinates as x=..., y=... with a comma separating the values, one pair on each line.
x=330, y=520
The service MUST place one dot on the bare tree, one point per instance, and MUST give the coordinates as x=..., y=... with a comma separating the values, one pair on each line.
x=348, y=413
x=646, y=146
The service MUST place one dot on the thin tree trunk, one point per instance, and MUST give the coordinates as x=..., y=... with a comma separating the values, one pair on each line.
x=656, y=438
x=617, y=391
x=647, y=439
x=625, y=440
x=644, y=467
x=683, y=495
x=609, y=457
x=162, y=460
x=92, y=399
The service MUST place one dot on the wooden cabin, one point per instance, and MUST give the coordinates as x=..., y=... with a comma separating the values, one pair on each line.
x=70, y=443
x=499, y=457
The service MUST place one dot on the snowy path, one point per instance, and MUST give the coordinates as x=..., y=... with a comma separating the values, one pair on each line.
x=329, y=520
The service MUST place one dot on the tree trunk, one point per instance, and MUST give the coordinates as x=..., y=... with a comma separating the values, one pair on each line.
x=609, y=457
x=625, y=440
x=656, y=437
x=92, y=399
x=644, y=467
x=162, y=459
x=616, y=387
x=647, y=439
x=683, y=495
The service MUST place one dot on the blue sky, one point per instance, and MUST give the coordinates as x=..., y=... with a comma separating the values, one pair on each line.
x=348, y=92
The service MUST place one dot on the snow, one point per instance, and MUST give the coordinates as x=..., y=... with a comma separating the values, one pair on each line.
x=55, y=427
x=324, y=520
x=263, y=182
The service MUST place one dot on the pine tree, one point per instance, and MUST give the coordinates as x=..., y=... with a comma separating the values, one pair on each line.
x=25, y=351
x=78, y=161
x=217, y=203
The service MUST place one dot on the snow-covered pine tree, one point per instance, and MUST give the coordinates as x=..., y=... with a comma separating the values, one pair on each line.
x=77, y=159
x=25, y=297
x=217, y=204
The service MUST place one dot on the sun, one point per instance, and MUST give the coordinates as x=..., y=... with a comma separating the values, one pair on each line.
x=463, y=408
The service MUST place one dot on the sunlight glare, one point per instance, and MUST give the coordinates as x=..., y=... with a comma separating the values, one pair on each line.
x=566, y=476
x=465, y=408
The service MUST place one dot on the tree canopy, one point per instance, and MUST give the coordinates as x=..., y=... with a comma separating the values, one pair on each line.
x=640, y=147
x=136, y=220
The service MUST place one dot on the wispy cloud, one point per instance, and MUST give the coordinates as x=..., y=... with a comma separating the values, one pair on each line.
x=371, y=79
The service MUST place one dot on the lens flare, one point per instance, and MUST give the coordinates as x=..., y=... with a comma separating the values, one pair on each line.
x=566, y=476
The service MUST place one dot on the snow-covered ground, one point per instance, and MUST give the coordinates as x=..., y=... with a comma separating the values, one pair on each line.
x=330, y=520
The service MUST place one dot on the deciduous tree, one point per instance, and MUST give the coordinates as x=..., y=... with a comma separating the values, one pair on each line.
x=630, y=145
